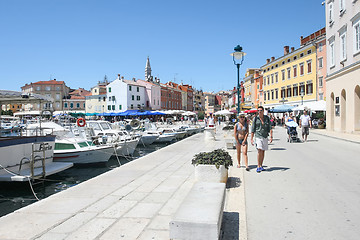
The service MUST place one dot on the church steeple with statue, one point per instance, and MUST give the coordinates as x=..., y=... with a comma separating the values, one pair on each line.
x=148, y=76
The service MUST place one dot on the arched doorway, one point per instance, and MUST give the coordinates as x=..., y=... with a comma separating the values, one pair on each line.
x=357, y=108
x=343, y=110
x=331, y=115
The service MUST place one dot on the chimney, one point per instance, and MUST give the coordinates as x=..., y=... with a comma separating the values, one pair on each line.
x=119, y=76
x=122, y=77
x=286, y=50
x=134, y=79
x=267, y=60
x=292, y=49
x=272, y=58
x=54, y=79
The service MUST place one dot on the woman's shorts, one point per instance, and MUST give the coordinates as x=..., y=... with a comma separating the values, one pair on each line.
x=261, y=143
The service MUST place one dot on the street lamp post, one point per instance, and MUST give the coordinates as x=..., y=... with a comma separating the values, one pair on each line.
x=302, y=94
x=238, y=58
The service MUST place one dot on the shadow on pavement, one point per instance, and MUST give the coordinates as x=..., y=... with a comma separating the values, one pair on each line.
x=233, y=182
x=230, y=226
x=312, y=140
x=276, y=169
x=279, y=148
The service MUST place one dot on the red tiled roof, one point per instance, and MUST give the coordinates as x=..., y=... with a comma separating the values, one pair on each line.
x=51, y=82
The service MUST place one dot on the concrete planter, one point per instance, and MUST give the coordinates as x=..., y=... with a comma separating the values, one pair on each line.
x=209, y=173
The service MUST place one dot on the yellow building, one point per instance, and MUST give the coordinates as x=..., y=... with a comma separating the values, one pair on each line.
x=290, y=79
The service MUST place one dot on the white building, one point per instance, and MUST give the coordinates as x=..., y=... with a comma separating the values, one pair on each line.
x=343, y=65
x=125, y=95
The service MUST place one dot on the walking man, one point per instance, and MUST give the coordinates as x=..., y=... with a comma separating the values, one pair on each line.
x=305, y=123
x=261, y=128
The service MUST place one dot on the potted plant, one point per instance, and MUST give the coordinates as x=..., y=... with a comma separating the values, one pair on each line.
x=212, y=166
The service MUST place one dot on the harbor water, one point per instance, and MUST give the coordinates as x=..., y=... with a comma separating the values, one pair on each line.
x=15, y=195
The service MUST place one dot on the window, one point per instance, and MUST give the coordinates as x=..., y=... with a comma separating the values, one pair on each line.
x=268, y=95
x=57, y=96
x=341, y=6
x=321, y=96
x=71, y=105
x=301, y=69
x=288, y=73
x=109, y=89
x=138, y=98
x=66, y=105
x=276, y=77
x=283, y=62
x=332, y=53
x=320, y=47
x=309, y=88
x=113, y=98
x=309, y=66
x=264, y=96
x=343, y=46
x=276, y=93
x=113, y=107
x=137, y=89
x=268, y=80
x=77, y=105
x=302, y=88
x=301, y=55
x=57, y=88
x=272, y=78
x=38, y=88
x=283, y=75
x=320, y=62
x=295, y=58
x=132, y=97
x=272, y=94
x=289, y=60
x=99, y=99
x=288, y=91
x=47, y=88
x=109, y=107
x=357, y=36
x=321, y=81
x=309, y=51
x=282, y=92
x=132, y=106
x=109, y=98
x=331, y=13
x=295, y=71
x=295, y=90
x=129, y=88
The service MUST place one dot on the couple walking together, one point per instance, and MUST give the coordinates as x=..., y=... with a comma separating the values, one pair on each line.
x=261, y=128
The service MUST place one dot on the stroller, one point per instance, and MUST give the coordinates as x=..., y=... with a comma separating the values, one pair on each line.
x=293, y=135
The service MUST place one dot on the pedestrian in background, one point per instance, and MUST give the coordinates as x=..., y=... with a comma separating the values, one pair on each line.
x=261, y=128
x=305, y=124
x=241, y=133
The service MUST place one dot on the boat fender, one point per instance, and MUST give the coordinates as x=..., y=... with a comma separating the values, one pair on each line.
x=81, y=122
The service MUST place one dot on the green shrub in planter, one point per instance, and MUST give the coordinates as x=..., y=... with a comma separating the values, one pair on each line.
x=217, y=157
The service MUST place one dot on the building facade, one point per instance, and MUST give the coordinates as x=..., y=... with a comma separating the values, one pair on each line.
x=290, y=79
x=170, y=97
x=57, y=90
x=125, y=95
x=343, y=65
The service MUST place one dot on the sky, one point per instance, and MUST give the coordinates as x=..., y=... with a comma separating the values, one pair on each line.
x=189, y=41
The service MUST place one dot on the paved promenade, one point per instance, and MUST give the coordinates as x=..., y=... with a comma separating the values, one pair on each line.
x=308, y=191
x=134, y=201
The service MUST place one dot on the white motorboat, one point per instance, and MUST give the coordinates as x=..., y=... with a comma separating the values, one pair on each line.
x=148, y=138
x=27, y=158
x=71, y=148
x=126, y=142
x=81, y=151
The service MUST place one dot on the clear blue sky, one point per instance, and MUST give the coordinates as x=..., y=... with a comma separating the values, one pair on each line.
x=81, y=41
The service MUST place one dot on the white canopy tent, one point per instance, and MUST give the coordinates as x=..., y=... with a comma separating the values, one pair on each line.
x=223, y=112
x=313, y=106
x=188, y=113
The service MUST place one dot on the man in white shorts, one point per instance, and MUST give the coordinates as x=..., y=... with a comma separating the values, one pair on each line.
x=305, y=123
x=261, y=128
